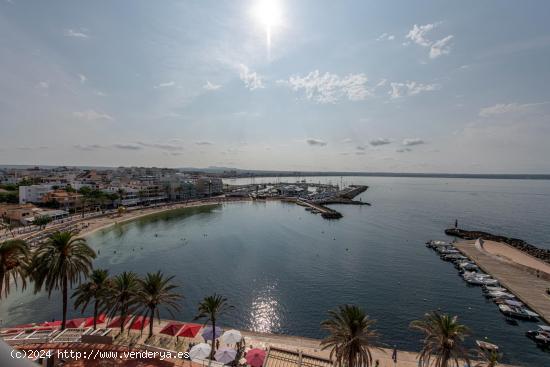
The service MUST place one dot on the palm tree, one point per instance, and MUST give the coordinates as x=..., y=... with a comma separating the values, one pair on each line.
x=61, y=262
x=156, y=291
x=210, y=308
x=351, y=337
x=14, y=260
x=95, y=290
x=123, y=296
x=443, y=340
x=488, y=358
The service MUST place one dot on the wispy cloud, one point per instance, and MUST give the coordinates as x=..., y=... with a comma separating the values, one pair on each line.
x=418, y=35
x=204, y=142
x=92, y=115
x=43, y=85
x=410, y=88
x=82, y=78
x=211, y=86
x=75, y=33
x=316, y=142
x=379, y=141
x=329, y=88
x=171, y=83
x=403, y=150
x=128, y=146
x=508, y=108
x=87, y=147
x=386, y=37
x=167, y=147
x=412, y=141
x=251, y=80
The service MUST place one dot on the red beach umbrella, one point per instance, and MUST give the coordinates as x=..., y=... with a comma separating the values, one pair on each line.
x=116, y=322
x=171, y=329
x=56, y=323
x=139, y=323
x=190, y=330
x=75, y=323
x=255, y=357
x=90, y=320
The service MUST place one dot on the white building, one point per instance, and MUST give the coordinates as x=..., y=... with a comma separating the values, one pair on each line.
x=33, y=193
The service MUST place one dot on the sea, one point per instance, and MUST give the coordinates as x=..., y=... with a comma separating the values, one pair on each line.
x=283, y=268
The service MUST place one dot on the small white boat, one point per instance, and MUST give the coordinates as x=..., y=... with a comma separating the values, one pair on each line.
x=486, y=346
x=499, y=294
x=541, y=336
x=518, y=312
x=494, y=289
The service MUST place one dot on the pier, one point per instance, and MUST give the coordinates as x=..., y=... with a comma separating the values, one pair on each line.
x=528, y=283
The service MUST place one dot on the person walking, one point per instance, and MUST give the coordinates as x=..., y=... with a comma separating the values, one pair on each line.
x=394, y=355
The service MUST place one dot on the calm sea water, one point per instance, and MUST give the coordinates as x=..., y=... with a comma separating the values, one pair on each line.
x=283, y=268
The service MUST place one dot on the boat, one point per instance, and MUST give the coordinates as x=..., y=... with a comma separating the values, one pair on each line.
x=501, y=295
x=467, y=266
x=486, y=345
x=435, y=243
x=518, y=312
x=453, y=257
x=541, y=336
x=489, y=288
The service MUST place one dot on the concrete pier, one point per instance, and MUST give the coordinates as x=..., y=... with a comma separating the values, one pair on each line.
x=528, y=284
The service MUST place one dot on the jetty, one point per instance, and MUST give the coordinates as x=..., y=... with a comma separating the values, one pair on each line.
x=526, y=280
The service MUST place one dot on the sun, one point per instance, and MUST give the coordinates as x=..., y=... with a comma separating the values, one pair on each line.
x=267, y=12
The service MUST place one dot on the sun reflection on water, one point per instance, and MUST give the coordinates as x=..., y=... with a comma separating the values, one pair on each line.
x=265, y=310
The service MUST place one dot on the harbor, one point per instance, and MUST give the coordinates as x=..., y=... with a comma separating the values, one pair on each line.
x=514, y=280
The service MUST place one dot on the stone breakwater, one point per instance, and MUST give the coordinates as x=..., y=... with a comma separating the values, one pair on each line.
x=542, y=254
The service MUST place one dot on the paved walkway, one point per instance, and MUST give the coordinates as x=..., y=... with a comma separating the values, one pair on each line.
x=520, y=279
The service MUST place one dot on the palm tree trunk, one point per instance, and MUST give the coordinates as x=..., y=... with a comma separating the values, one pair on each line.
x=95, y=314
x=213, y=339
x=1, y=282
x=122, y=320
x=151, y=319
x=64, y=290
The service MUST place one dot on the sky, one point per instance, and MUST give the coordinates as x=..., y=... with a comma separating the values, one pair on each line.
x=320, y=85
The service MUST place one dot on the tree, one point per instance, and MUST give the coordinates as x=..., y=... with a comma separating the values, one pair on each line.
x=14, y=260
x=156, y=291
x=488, y=358
x=96, y=290
x=61, y=262
x=211, y=308
x=123, y=297
x=442, y=344
x=350, y=338
x=42, y=221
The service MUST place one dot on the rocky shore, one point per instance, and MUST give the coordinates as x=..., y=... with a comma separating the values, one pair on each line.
x=542, y=254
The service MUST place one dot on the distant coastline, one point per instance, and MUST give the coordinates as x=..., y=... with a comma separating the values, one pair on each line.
x=229, y=172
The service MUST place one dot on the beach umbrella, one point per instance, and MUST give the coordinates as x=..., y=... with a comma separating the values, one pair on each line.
x=232, y=336
x=255, y=357
x=171, y=329
x=139, y=323
x=90, y=320
x=225, y=355
x=190, y=330
x=56, y=323
x=116, y=322
x=207, y=333
x=200, y=351
x=75, y=323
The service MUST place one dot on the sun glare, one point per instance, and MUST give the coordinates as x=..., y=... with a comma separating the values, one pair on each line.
x=268, y=13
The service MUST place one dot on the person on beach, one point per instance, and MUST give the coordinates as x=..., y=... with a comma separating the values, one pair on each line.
x=394, y=355
x=456, y=223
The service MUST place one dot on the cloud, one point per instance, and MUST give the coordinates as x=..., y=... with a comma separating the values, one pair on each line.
x=386, y=37
x=171, y=83
x=75, y=33
x=404, y=150
x=360, y=153
x=87, y=147
x=92, y=115
x=379, y=141
x=441, y=47
x=316, y=142
x=438, y=48
x=509, y=108
x=329, y=88
x=211, y=86
x=43, y=85
x=412, y=141
x=82, y=78
x=128, y=146
x=251, y=80
x=203, y=142
x=361, y=147
x=347, y=140
x=167, y=147
x=410, y=88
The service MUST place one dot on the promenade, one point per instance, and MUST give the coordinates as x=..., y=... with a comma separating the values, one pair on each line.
x=524, y=276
